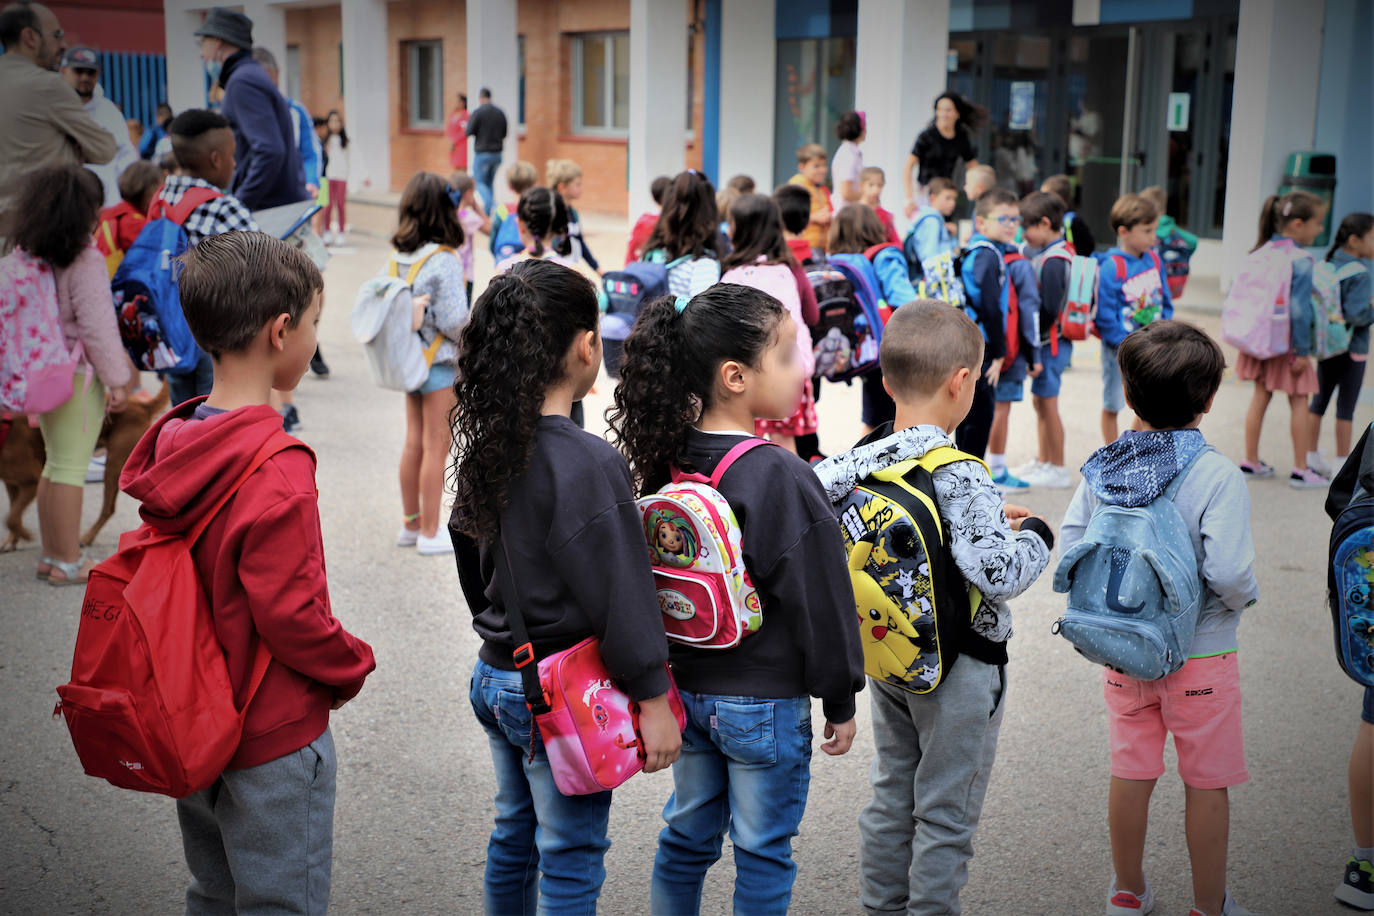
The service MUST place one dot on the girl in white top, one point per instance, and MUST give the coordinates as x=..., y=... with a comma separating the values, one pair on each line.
x=849, y=159
x=336, y=172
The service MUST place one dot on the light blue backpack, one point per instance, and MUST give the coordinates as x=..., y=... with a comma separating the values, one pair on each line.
x=1134, y=588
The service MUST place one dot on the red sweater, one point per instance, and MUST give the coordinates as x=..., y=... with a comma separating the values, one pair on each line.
x=262, y=564
x=885, y=216
x=126, y=222
x=643, y=228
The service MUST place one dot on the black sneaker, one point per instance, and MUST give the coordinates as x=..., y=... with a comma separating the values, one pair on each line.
x=290, y=420
x=1357, y=887
x=318, y=365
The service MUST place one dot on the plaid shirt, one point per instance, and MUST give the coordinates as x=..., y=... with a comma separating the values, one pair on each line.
x=214, y=217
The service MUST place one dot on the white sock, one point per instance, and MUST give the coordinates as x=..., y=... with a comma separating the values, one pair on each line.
x=997, y=463
x=1364, y=853
x=1314, y=458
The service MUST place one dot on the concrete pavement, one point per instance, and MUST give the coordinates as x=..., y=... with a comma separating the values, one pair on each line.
x=415, y=781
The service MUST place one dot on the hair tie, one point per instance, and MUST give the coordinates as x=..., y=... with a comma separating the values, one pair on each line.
x=1287, y=207
x=681, y=303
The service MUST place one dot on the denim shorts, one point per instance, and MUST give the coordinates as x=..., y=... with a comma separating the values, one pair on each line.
x=1047, y=383
x=1011, y=384
x=441, y=376
x=1113, y=397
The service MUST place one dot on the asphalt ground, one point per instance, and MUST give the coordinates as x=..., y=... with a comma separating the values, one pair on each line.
x=415, y=780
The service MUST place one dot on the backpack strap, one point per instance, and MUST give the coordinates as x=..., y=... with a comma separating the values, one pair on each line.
x=735, y=454
x=415, y=268
x=937, y=458
x=875, y=250
x=107, y=236
x=1159, y=265
x=181, y=211
x=1172, y=489
x=1120, y=263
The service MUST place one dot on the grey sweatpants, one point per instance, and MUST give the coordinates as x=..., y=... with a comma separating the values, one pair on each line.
x=930, y=774
x=261, y=839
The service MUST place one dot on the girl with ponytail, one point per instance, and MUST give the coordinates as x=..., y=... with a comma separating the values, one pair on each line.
x=1354, y=245
x=1291, y=222
x=697, y=373
x=546, y=508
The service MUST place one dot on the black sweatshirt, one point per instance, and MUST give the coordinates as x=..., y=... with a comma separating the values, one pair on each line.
x=809, y=642
x=580, y=559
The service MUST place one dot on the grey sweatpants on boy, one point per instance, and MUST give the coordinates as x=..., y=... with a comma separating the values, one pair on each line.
x=930, y=774
x=261, y=839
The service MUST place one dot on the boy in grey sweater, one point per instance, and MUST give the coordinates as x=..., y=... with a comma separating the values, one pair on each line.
x=1170, y=373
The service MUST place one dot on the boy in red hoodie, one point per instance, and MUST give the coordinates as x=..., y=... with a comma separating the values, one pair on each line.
x=261, y=837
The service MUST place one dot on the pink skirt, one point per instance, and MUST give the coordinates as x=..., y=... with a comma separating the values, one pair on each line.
x=1276, y=374
x=801, y=423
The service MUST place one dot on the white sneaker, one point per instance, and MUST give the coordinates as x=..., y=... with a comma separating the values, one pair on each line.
x=1050, y=477
x=1229, y=907
x=95, y=471
x=1321, y=463
x=441, y=543
x=406, y=537
x=1027, y=470
x=1125, y=903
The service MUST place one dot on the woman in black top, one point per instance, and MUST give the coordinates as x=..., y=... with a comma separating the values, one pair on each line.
x=947, y=139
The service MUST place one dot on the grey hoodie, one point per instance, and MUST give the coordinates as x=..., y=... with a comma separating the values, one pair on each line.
x=1214, y=501
x=1002, y=563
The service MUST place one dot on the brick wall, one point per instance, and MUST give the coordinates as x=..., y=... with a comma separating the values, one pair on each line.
x=416, y=149
x=317, y=32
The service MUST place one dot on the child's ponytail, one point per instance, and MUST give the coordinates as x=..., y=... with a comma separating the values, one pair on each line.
x=1277, y=211
x=545, y=214
x=1354, y=226
x=511, y=352
x=668, y=378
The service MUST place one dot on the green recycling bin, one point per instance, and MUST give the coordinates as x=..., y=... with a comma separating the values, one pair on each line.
x=1315, y=173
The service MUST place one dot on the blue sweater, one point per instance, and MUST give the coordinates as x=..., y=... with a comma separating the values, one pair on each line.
x=931, y=235
x=985, y=284
x=1021, y=274
x=1141, y=290
x=268, y=170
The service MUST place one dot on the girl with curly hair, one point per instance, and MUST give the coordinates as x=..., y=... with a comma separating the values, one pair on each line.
x=687, y=236
x=428, y=236
x=547, y=509
x=697, y=373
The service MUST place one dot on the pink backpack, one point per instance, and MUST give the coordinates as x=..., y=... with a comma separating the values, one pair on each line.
x=36, y=369
x=778, y=281
x=1255, y=317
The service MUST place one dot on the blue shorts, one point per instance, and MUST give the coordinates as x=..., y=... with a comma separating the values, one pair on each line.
x=441, y=376
x=1011, y=384
x=1113, y=397
x=1046, y=384
x=1367, y=714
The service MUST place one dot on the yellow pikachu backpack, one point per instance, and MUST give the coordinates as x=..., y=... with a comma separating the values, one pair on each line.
x=914, y=607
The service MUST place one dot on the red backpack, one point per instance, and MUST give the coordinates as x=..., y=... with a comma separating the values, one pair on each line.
x=1012, y=312
x=150, y=705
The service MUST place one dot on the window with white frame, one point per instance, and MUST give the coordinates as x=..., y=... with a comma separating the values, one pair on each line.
x=601, y=83
x=424, y=62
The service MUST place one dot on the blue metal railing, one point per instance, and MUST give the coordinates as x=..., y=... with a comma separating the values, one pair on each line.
x=134, y=82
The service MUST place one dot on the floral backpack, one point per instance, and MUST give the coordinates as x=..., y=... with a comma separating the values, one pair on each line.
x=36, y=368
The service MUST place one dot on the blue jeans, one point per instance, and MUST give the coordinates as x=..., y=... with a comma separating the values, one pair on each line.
x=537, y=828
x=193, y=384
x=484, y=166
x=745, y=767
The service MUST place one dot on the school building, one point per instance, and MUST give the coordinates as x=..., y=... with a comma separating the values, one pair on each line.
x=1205, y=97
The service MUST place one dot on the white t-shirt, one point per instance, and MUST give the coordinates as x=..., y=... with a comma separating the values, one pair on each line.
x=338, y=159
x=846, y=166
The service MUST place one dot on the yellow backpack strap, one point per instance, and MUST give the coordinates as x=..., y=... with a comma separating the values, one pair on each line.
x=947, y=454
x=393, y=269
x=415, y=268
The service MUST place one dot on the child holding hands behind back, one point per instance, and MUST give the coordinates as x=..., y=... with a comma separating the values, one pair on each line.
x=1170, y=372
x=697, y=373
x=935, y=751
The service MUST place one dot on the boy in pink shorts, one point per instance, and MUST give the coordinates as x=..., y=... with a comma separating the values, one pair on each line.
x=1170, y=373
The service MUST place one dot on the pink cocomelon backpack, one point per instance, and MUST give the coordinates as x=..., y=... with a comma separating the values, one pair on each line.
x=37, y=371
x=1255, y=317
x=697, y=550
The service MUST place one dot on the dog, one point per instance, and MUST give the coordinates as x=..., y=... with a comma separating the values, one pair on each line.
x=22, y=456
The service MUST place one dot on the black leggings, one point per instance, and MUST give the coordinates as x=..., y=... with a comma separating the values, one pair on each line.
x=972, y=434
x=1338, y=372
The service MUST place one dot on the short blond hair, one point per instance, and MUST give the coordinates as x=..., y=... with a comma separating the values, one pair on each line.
x=810, y=153
x=985, y=175
x=1132, y=210
x=561, y=171
x=1156, y=195
x=923, y=343
x=521, y=176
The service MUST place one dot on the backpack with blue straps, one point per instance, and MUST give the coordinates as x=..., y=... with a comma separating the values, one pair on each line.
x=853, y=323
x=626, y=292
x=146, y=302
x=505, y=234
x=1134, y=587
x=1350, y=572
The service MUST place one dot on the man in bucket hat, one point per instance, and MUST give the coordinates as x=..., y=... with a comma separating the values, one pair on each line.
x=268, y=170
x=81, y=70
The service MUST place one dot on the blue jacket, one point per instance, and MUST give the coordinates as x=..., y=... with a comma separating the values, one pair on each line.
x=1356, y=303
x=931, y=235
x=268, y=170
x=1021, y=274
x=985, y=285
x=1143, y=288
x=148, y=143
x=307, y=141
x=893, y=282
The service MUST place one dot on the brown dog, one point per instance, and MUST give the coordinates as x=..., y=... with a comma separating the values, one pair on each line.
x=22, y=456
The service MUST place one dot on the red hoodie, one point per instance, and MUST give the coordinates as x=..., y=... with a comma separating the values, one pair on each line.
x=262, y=564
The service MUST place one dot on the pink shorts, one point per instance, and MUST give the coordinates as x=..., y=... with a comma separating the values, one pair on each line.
x=1199, y=704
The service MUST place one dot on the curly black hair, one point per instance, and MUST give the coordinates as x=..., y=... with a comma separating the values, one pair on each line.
x=56, y=213
x=545, y=215
x=511, y=352
x=668, y=378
